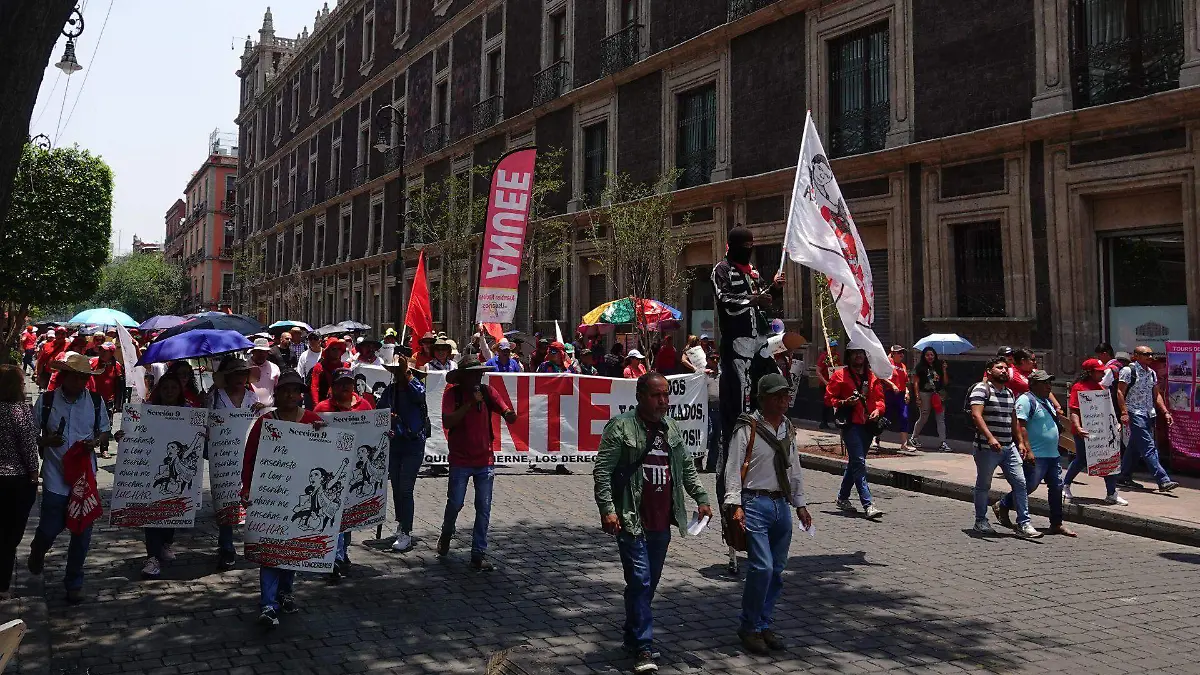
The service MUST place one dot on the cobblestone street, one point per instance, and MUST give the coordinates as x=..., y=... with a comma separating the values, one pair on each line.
x=914, y=593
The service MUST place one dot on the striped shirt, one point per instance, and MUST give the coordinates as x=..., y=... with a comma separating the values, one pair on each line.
x=998, y=404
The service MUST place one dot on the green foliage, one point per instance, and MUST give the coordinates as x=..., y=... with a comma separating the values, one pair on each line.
x=142, y=285
x=826, y=310
x=56, y=236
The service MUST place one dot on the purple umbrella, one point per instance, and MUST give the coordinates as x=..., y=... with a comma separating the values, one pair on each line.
x=161, y=322
x=195, y=344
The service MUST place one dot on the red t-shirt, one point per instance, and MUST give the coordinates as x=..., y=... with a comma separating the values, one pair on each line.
x=28, y=341
x=1018, y=383
x=470, y=442
x=322, y=378
x=666, y=360
x=900, y=376
x=1073, y=399
x=251, y=455
x=357, y=403
x=50, y=350
x=106, y=382
x=656, y=487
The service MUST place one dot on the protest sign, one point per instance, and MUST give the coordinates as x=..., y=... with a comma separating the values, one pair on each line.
x=366, y=496
x=227, y=432
x=1183, y=399
x=296, y=496
x=157, y=479
x=371, y=379
x=1098, y=419
x=561, y=416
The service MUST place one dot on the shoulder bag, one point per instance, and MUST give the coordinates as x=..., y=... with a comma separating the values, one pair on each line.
x=733, y=532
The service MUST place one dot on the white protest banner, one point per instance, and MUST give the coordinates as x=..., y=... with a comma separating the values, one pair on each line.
x=227, y=432
x=1103, y=442
x=366, y=496
x=135, y=375
x=157, y=479
x=296, y=496
x=370, y=379
x=561, y=416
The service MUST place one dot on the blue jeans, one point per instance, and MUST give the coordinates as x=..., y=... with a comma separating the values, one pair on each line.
x=1009, y=461
x=456, y=495
x=642, y=560
x=1041, y=469
x=53, y=521
x=768, y=537
x=714, y=435
x=343, y=548
x=403, y=466
x=857, y=440
x=1142, y=445
x=1079, y=463
x=273, y=584
x=157, y=538
x=225, y=539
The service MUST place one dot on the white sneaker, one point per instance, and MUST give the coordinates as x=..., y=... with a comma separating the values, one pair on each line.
x=872, y=513
x=403, y=542
x=983, y=527
x=1027, y=531
x=166, y=554
x=1116, y=500
x=946, y=447
x=151, y=570
x=1067, y=497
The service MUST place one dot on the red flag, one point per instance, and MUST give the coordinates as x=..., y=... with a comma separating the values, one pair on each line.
x=494, y=330
x=418, y=318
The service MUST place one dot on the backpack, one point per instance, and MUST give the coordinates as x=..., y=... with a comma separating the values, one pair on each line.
x=48, y=405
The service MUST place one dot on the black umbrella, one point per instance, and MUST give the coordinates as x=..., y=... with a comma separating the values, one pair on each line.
x=331, y=329
x=216, y=321
x=353, y=326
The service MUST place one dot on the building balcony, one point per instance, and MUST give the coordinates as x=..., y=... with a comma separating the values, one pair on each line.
x=1130, y=64
x=332, y=188
x=358, y=175
x=308, y=200
x=487, y=113
x=739, y=8
x=621, y=49
x=696, y=167
x=286, y=210
x=551, y=82
x=434, y=138
x=392, y=159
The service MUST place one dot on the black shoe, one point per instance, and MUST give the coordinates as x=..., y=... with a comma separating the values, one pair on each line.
x=334, y=577
x=287, y=603
x=226, y=560
x=75, y=595
x=1002, y=514
x=732, y=569
x=37, y=561
x=644, y=663
x=269, y=618
x=774, y=642
x=1130, y=484
x=753, y=642
x=443, y=545
x=482, y=565
x=634, y=651
x=1168, y=486
x=562, y=470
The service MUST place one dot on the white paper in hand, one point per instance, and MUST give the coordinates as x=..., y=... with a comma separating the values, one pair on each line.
x=698, y=524
x=811, y=529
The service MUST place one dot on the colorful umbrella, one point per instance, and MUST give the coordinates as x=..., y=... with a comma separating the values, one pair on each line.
x=104, y=316
x=625, y=311
x=161, y=322
x=285, y=325
x=195, y=344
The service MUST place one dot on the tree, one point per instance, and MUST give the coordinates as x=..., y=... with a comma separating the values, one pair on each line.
x=640, y=245
x=142, y=285
x=826, y=311
x=28, y=31
x=56, y=237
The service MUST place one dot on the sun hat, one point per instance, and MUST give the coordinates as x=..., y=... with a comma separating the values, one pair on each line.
x=470, y=364
x=1042, y=376
x=289, y=378
x=261, y=345
x=74, y=362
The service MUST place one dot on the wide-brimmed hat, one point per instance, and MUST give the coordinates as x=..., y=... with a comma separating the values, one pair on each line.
x=261, y=345
x=443, y=342
x=372, y=340
x=289, y=378
x=470, y=364
x=1041, y=376
x=74, y=362
x=428, y=337
x=394, y=365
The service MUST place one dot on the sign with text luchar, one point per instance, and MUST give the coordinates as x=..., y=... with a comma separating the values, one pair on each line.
x=1099, y=420
x=157, y=478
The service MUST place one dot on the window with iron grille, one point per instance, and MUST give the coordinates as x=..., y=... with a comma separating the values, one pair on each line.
x=979, y=269
x=1123, y=49
x=558, y=36
x=858, y=91
x=696, y=135
x=554, y=294
x=597, y=290
x=595, y=162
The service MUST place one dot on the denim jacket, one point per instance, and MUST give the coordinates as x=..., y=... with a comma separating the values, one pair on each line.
x=623, y=442
x=411, y=421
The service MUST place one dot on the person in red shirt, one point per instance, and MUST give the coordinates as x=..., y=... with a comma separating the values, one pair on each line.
x=666, y=361
x=827, y=361
x=896, y=395
x=342, y=396
x=50, y=351
x=320, y=378
x=1021, y=364
x=110, y=383
x=1091, y=379
x=276, y=584
x=29, y=348
x=467, y=408
x=857, y=396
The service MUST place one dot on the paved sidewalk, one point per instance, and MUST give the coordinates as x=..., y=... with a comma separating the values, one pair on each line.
x=1173, y=516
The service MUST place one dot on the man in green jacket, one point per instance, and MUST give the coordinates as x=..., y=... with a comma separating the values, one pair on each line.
x=641, y=474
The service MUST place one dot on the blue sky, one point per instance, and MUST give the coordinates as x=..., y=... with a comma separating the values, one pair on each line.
x=161, y=81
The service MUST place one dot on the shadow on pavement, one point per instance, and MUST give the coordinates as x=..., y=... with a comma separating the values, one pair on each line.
x=1177, y=556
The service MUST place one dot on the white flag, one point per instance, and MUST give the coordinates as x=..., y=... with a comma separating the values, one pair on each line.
x=134, y=375
x=558, y=332
x=821, y=234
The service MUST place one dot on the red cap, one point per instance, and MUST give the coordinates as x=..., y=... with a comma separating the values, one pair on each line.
x=1093, y=364
x=558, y=345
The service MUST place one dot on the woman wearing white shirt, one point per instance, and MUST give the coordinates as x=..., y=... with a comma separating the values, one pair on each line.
x=230, y=391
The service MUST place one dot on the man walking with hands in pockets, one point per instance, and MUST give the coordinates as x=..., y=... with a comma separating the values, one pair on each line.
x=764, y=482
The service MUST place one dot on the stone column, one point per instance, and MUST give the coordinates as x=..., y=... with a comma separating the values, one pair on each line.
x=1051, y=23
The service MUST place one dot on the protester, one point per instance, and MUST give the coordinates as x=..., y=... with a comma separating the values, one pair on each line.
x=342, y=398
x=51, y=350
x=635, y=365
x=425, y=353
x=556, y=355
x=442, y=360
x=641, y=475
x=467, y=408
x=1089, y=380
x=992, y=405
x=1139, y=400
x=712, y=378
x=587, y=363
x=18, y=468
x=930, y=380
x=320, y=377
x=231, y=391
x=666, y=359
x=694, y=357
x=405, y=397
x=855, y=393
x=92, y=350
x=267, y=372
x=896, y=396
x=109, y=383
x=1037, y=442
x=368, y=353
x=763, y=482
x=67, y=417
x=284, y=349
x=29, y=341
x=706, y=343
x=614, y=362
x=296, y=346
x=827, y=362
x=276, y=585
x=309, y=357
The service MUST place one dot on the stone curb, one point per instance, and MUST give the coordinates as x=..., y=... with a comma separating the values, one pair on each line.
x=1107, y=518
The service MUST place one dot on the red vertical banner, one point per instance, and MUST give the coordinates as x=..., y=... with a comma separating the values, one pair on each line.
x=509, y=201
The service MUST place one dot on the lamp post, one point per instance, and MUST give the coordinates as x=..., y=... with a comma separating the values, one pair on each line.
x=74, y=28
x=385, y=117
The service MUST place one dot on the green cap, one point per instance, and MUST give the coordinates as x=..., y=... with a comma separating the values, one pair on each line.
x=772, y=383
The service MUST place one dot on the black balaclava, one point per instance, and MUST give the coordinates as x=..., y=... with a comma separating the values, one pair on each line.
x=741, y=245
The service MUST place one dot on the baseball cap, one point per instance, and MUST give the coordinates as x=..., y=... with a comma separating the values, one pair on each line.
x=635, y=354
x=557, y=345
x=1004, y=351
x=504, y=345
x=1040, y=375
x=343, y=374
x=1088, y=364
x=705, y=336
x=772, y=383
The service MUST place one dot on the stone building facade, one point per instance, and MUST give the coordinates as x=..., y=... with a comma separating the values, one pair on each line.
x=1022, y=172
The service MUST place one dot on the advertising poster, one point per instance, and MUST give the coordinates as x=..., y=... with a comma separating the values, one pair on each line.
x=296, y=496
x=1099, y=420
x=227, y=432
x=366, y=496
x=157, y=479
x=1183, y=399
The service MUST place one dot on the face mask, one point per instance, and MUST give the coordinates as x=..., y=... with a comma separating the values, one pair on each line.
x=740, y=256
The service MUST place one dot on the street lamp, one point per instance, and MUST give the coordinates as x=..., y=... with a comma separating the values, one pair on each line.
x=74, y=28
x=385, y=117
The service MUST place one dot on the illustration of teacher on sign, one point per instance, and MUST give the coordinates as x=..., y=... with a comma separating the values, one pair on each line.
x=322, y=500
x=179, y=466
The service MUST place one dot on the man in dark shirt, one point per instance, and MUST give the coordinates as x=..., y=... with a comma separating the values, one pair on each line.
x=467, y=408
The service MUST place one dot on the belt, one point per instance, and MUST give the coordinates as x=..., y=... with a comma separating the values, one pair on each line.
x=773, y=494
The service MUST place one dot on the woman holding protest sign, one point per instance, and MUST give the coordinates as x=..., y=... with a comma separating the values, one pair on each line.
x=231, y=390
x=275, y=585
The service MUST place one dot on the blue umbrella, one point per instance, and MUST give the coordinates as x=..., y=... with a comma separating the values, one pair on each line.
x=945, y=343
x=291, y=324
x=104, y=316
x=161, y=322
x=195, y=344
